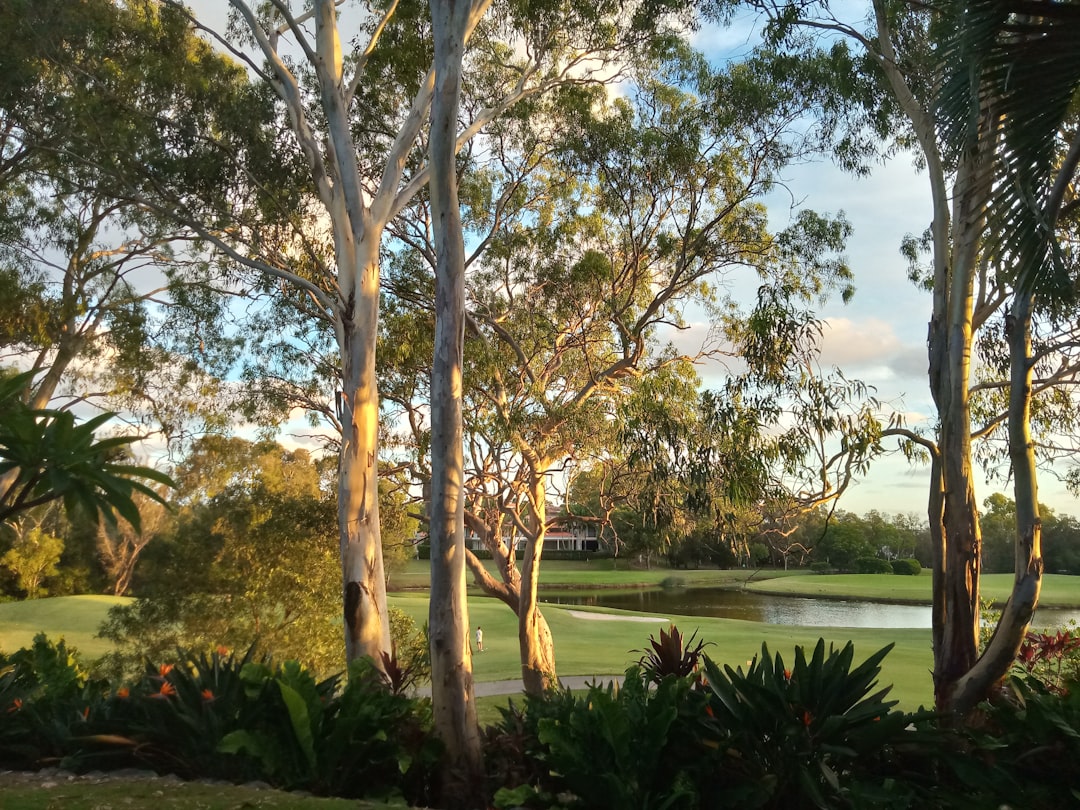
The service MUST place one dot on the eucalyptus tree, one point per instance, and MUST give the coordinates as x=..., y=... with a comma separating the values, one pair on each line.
x=294, y=177
x=997, y=93
x=630, y=210
x=898, y=51
x=451, y=652
x=81, y=268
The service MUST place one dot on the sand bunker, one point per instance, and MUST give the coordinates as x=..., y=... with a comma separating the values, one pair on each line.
x=608, y=617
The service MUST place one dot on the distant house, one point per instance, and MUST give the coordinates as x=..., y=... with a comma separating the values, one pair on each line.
x=562, y=535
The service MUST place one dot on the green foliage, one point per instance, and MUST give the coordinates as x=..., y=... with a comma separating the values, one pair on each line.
x=53, y=458
x=814, y=735
x=33, y=557
x=906, y=568
x=873, y=565
x=637, y=746
x=46, y=699
x=220, y=715
x=252, y=558
x=1024, y=750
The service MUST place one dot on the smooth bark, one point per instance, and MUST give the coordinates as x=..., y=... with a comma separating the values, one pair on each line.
x=448, y=616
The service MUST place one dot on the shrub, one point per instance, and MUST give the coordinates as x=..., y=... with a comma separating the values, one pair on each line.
x=813, y=735
x=671, y=655
x=638, y=746
x=1024, y=752
x=821, y=567
x=906, y=568
x=873, y=565
x=220, y=716
x=46, y=698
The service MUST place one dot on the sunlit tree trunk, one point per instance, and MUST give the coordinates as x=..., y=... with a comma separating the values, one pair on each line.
x=367, y=625
x=534, y=635
x=1016, y=617
x=448, y=616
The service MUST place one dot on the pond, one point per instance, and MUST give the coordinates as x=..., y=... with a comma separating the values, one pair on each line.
x=770, y=609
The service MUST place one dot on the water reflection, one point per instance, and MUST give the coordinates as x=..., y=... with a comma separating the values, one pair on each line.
x=756, y=607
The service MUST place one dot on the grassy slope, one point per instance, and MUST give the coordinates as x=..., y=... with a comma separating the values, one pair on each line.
x=592, y=647
x=75, y=618
x=1057, y=591
x=583, y=646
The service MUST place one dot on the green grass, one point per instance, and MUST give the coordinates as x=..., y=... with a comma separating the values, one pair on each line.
x=592, y=647
x=74, y=618
x=601, y=573
x=159, y=794
x=1058, y=590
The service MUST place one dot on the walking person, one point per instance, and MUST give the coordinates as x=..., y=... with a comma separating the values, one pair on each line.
x=479, y=639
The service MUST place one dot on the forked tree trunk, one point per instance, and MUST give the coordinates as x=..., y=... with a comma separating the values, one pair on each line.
x=534, y=636
x=367, y=625
x=448, y=616
x=958, y=558
x=974, y=685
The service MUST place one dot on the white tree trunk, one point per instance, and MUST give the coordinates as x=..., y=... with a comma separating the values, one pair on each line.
x=448, y=616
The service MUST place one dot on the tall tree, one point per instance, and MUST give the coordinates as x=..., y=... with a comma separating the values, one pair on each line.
x=81, y=269
x=1000, y=55
x=631, y=210
x=901, y=57
x=356, y=124
x=451, y=652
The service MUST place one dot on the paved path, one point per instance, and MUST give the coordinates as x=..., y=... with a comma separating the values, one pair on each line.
x=513, y=687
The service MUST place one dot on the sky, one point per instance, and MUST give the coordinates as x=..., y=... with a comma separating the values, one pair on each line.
x=880, y=336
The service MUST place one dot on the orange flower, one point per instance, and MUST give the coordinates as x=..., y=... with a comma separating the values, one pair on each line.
x=207, y=694
x=709, y=711
x=787, y=674
x=222, y=650
x=123, y=692
x=807, y=718
x=167, y=689
x=16, y=704
x=165, y=669
x=86, y=713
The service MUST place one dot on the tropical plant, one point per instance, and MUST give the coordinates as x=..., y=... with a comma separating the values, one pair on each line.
x=641, y=745
x=814, y=735
x=671, y=655
x=54, y=458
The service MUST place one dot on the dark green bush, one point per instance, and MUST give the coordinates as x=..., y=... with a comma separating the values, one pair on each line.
x=906, y=568
x=873, y=565
x=821, y=567
x=1024, y=751
x=815, y=735
x=640, y=745
x=46, y=699
x=220, y=716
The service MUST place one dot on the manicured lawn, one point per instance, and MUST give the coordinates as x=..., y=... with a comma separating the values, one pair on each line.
x=603, y=573
x=596, y=647
x=582, y=646
x=1058, y=590
x=75, y=618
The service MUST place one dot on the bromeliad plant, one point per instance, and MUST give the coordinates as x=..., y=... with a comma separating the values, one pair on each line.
x=635, y=747
x=673, y=654
x=814, y=735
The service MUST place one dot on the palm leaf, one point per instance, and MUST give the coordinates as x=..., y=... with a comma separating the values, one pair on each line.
x=1016, y=65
